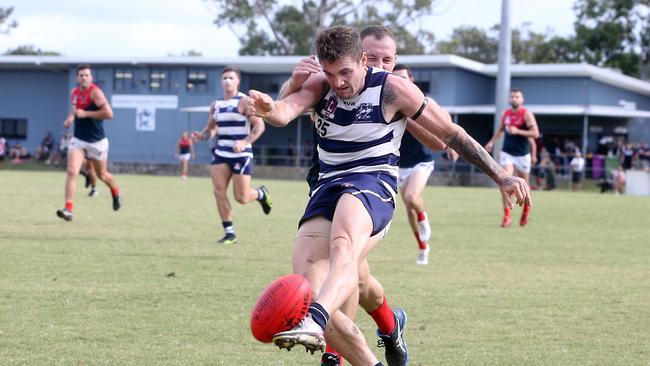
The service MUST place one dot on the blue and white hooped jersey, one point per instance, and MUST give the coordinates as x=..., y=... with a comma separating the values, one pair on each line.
x=353, y=135
x=232, y=126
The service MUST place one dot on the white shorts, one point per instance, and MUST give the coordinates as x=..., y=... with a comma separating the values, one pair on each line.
x=97, y=150
x=521, y=163
x=405, y=173
x=184, y=157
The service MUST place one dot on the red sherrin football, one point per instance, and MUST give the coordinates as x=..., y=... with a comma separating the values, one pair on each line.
x=282, y=305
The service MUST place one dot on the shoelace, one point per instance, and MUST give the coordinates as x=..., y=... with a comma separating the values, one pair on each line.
x=381, y=343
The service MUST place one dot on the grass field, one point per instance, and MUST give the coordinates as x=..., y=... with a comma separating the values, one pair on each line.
x=572, y=288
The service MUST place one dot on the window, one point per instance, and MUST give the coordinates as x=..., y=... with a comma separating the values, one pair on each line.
x=159, y=80
x=265, y=83
x=197, y=80
x=427, y=81
x=13, y=128
x=124, y=79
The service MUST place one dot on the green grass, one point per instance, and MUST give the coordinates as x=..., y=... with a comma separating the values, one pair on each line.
x=572, y=288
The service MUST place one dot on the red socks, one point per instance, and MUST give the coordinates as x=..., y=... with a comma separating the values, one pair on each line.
x=115, y=192
x=329, y=349
x=384, y=318
x=68, y=205
x=421, y=244
x=506, y=212
x=421, y=216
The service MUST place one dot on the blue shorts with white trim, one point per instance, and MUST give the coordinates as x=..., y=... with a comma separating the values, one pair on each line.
x=243, y=165
x=376, y=191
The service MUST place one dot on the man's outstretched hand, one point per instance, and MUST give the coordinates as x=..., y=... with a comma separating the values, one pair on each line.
x=518, y=187
x=260, y=104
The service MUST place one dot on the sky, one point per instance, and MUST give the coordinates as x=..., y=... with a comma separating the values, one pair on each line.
x=158, y=28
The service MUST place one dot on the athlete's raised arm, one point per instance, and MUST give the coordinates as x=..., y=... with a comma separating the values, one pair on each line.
x=402, y=96
x=280, y=112
x=210, y=127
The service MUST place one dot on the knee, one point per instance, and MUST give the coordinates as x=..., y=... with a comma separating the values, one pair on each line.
x=219, y=192
x=102, y=175
x=71, y=172
x=341, y=245
x=241, y=198
x=409, y=197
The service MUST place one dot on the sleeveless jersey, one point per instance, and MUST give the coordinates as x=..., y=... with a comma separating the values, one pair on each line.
x=87, y=129
x=353, y=135
x=515, y=145
x=232, y=126
x=184, y=146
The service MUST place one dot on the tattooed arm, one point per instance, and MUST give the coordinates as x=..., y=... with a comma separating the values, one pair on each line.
x=401, y=96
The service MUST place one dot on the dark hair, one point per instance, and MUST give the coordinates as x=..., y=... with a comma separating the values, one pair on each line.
x=403, y=67
x=83, y=67
x=377, y=31
x=233, y=69
x=337, y=42
x=516, y=90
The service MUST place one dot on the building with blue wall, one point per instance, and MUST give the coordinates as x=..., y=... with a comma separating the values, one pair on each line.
x=155, y=99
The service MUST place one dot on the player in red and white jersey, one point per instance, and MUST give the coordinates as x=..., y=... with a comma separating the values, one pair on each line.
x=519, y=125
x=89, y=109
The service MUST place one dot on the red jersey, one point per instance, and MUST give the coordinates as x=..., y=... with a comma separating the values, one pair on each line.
x=86, y=129
x=81, y=98
x=515, y=145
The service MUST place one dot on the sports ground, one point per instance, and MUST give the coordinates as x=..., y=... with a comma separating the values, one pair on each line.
x=148, y=285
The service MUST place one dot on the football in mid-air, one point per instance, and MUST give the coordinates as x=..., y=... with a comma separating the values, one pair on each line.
x=282, y=305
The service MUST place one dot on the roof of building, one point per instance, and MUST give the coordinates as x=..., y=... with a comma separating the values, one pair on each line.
x=285, y=64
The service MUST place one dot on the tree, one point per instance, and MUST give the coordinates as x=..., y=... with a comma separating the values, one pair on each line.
x=613, y=33
x=471, y=42
x=266, y=27
x=5, y=23
x=30, y=50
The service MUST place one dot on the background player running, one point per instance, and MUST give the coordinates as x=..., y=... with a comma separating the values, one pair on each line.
x=232, y=159
x=89, y=109
x=519, y=125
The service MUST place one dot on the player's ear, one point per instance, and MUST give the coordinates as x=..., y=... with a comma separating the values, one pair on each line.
x=364, y=58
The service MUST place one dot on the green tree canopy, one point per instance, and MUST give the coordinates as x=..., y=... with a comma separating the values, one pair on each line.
x=613, y=33
x=30, y=50
x=272, y=27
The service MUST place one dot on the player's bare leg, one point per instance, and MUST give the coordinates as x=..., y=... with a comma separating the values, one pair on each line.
x=91, y=179
x=507, y=219
x=184, y=164
x=349, y=246
x=244, y=193
x=242, y=188
x=411, y=193
x=75, y=160
x=99, y=167
x=525, y=214
x=311, y=258
x=221, y=175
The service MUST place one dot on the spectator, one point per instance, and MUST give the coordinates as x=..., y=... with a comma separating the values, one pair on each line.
x=626, y=156
x=547, y=170
x=18, y=153
x=61, y=153
x=44, y=150
x=619, y=180
x=3, y=148
x=577, y=165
